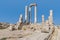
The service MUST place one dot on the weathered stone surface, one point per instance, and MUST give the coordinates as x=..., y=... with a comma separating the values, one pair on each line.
x=23, y=35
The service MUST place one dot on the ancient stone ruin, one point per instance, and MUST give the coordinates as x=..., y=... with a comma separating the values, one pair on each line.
x=26, y=30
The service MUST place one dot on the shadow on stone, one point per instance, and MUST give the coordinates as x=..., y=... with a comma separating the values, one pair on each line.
x=3, y=39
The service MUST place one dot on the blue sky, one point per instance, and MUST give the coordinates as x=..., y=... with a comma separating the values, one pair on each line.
x=10, y=10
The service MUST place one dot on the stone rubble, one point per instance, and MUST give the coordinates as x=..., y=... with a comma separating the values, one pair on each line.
x=26, y=30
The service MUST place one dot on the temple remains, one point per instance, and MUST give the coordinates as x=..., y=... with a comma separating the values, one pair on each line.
x=28, y=14
x=26, y=30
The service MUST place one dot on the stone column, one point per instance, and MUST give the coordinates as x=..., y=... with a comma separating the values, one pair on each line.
x=21, y=18
x=35, y=20
x=19, y=23
x=51, y=12
x=47, y=23
x=47, y=28
x=30, y=15
x=42, y=20
x=26, y=14
x=35, y=10
x=51, y=17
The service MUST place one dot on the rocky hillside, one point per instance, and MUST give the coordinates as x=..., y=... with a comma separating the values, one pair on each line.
x=4, y=25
